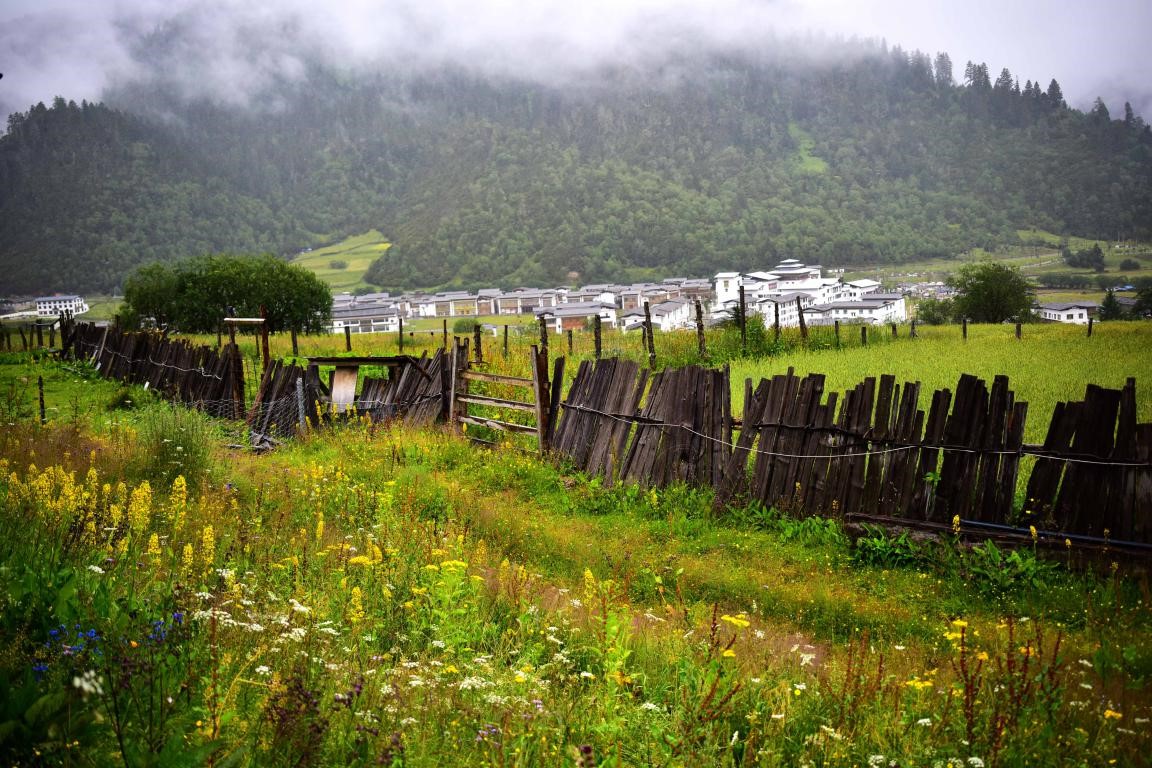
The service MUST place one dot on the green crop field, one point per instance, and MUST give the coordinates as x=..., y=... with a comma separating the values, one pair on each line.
x=342, y=265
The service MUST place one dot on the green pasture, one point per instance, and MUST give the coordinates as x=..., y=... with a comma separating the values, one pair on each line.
x=1050, y=363
x=357, y=253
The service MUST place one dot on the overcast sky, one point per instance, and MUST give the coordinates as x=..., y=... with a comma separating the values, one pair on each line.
x=233, y=49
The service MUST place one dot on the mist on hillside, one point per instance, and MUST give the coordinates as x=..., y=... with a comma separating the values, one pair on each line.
x=240, y=54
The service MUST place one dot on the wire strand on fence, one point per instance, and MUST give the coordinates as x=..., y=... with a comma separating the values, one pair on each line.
x=642, y=421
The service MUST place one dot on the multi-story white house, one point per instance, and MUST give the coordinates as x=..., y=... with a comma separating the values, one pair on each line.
x=766, y=293
x=54, y=306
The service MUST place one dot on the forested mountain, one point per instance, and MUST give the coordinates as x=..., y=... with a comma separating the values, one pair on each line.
x=702, y=162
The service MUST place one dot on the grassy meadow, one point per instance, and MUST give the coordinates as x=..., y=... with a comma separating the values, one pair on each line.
x=370, y=595
x=342, y=265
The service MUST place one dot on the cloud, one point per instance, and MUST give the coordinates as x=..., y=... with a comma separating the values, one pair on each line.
x=235, y=51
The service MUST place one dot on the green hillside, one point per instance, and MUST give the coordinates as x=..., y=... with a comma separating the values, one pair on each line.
x=881, y=158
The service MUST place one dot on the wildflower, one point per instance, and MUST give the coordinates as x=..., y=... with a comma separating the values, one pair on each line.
x=1032, y=533
x=1110, y=714
x=360, y=560
x=188, y=558
x=96, y=569
x=89, y=683
x=729, y=653
x=140, y=507
x=319, y=527
x=154, y=545
x=650, y=706
x=356, y=607
x=178, y=501
x=1068, y=543
x=959, y=623
x=589, y=585
x=740, y=620
x=208, y=546
x=956, y=524
x=924, y=721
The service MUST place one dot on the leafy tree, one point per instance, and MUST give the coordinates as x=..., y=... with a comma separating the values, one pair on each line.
x=1088, y=258
x=1129, y=265
x=1110, y=308
x=990, y=292
x=935, y=311
x=194, y=295
x=1143, y=306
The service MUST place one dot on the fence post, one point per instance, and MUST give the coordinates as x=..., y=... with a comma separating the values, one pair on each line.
x=295, y=344
x=775, y=320
x=964, y=327
x=895, y=334
x=836, y=329
x=476, y=340
x=302, y=415
x=505, y=341
x=51, y=337
x=1018, y=332
x=701, y=349
x=743, y=323
x=264, y=340
x=596, y=334
x=569, y=342
x=863, y=335
x=400, y=333
x=347, y=338
x=23, y=339
x=800, y=314
x=912, y=329
x=7, y=338
x=445, y=333
x=39, y=335
x=543, y=334
x=651, y=342
x=40, y=387
x=219, y=336
x=1090, y=327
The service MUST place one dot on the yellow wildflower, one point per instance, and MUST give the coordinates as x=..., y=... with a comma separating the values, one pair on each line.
x=140, y=508
x=729, y=653
x=188, y=559
x=154, y=545
x=360, y=560
x=1110, y=714
x=319, y=527
x=356, y=607
x=959, y=623
x=956, y=524
x=740, y=620
x=1032, y=532
x=208, y=546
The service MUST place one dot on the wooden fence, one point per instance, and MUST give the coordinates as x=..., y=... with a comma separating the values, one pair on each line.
x=871, y=452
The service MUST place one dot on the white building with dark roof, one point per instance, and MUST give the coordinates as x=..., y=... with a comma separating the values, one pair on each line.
x=54, y=306
x=1075, y=312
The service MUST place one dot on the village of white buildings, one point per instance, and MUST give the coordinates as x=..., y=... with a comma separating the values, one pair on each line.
x=781, y=294
x=785, y=291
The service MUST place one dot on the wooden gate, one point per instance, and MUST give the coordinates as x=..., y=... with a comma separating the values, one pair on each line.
x=478, y=398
